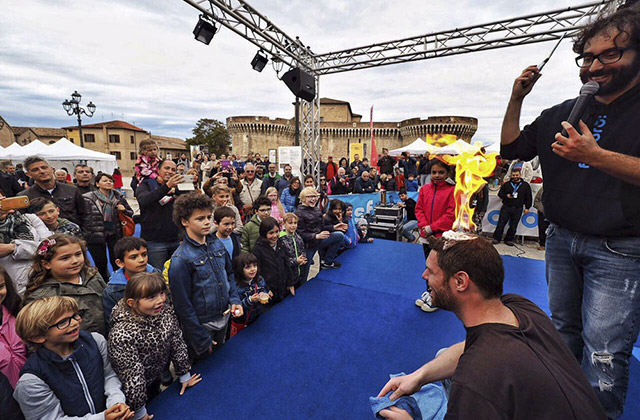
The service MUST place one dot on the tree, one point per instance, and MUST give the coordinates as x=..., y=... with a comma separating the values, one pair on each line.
x=212, y=133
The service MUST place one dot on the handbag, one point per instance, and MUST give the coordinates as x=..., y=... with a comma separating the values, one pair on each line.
x=128, y=225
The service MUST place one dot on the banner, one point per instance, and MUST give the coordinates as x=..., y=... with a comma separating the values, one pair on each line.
x=366, y=204
x=291, y=155
x=355, y=149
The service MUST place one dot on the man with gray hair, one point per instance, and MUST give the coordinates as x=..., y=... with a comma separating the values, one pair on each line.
x=251, y=186
x=363, y=184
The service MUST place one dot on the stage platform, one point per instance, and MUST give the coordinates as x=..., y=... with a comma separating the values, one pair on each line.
x=322, y=353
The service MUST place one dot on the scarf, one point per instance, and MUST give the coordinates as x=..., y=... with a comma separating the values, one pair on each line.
x=108, y=208
x=15, y=226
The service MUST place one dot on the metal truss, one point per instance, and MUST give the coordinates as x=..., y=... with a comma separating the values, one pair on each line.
x=244, y=20
x=310, y=135
x=541, y=27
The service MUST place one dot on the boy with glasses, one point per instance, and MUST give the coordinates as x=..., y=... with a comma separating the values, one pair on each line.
x=69, y=374
x=251, y=231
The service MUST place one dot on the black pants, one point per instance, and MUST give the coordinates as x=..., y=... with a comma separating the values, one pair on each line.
x=509, y=215
x=99, y=255
x=543, y=224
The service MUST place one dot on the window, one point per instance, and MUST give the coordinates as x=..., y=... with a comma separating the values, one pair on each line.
x=133, y=140
x=116, y=154
x=133, y=155
x=89, y=138
x=114, y=138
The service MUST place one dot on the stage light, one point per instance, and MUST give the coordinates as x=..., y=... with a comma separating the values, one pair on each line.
x=204, y=30
x=259, y=61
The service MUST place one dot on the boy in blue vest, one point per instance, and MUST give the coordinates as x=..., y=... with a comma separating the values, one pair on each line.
x=132, y=258
x=201, y=278
x=69, y=374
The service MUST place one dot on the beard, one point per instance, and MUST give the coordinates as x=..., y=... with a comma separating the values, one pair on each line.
x=621, y=77
x=443, y=298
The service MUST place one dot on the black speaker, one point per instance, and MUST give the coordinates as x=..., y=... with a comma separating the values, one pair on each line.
x=302, y=84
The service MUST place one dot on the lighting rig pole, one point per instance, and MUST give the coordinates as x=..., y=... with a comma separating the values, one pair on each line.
x=73, y=107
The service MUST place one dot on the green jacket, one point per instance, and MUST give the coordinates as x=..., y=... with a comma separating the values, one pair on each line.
x=250, y=234
x=88, y=295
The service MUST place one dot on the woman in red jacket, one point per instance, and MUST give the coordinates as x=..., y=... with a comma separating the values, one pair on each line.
x=435, y=211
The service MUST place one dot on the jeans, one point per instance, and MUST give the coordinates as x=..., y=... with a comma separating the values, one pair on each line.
x=595, y=305
x=160, y=252
x=543, y=224
x=509, y=215
x=407, y=230
x=328, y=251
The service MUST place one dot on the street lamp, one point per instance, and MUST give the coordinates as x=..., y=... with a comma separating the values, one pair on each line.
x=73, y=107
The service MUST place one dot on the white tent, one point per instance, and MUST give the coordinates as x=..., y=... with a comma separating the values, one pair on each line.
x=61, y=154
x=64, y=153
x=418, y=147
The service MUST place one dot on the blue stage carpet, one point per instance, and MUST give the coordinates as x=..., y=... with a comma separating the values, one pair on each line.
x=322, y=353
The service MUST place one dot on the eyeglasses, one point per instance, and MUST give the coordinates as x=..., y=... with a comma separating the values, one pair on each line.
x=313, y=196
x=609, y=56
x=64, y=323
x=250, y=172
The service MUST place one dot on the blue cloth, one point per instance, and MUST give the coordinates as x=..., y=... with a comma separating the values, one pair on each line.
x=62, y=376
x=351, y=236
x=228, y=244
x=252, y=310
x=288, y=200
x=430, y=403
x=202, y=286
x=595, y=306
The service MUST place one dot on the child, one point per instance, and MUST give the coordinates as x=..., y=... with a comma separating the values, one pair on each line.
x=60, y=268
x=435, y=211
x=143, y=316
x=363, y=232
x=221, y=195
x=351, y=236
x=332, y=221
x=277, y=211
x=251, y=231
x=272, y=261
x=13, y=353
x=201, y=277
x=225, y=221
x=252, y=290
x=411, y=184
x=49, y=213
x=148, y=161
x=294, y=250
x=131, y=257
x=70, y=374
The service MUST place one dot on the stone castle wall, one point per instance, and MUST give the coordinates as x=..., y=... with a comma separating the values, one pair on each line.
x=258, y=134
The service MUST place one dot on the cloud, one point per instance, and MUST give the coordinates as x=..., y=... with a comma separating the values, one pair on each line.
x=138, y=61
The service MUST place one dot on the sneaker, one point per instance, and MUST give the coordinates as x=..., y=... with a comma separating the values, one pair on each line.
x=495, y=241
x=509, y=243
x=428, y=306
x=425, y=303
x=420, y=301
x=325, y=265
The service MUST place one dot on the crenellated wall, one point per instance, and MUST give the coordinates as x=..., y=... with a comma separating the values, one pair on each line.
x=258, y=134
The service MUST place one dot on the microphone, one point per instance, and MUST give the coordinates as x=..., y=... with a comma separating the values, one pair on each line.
x=586, y=91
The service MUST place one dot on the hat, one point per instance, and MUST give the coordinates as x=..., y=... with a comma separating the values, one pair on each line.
x=330, y=157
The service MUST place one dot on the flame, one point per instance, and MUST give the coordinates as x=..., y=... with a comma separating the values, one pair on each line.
x=441, y=140
x=472, y=165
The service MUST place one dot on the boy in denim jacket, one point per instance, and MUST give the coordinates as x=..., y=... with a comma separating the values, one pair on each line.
x=201, y=278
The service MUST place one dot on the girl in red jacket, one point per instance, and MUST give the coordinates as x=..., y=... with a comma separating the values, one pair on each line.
x=435, y=211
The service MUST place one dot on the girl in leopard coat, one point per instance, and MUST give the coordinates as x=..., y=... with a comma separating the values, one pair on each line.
x=144, y=337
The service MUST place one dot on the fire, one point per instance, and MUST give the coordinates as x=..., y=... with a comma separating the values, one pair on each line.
x=472, y=165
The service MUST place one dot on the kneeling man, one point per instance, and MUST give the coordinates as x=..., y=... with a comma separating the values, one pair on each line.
x=513, y=363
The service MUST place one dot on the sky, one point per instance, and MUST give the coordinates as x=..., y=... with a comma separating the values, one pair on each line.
x=138, y=62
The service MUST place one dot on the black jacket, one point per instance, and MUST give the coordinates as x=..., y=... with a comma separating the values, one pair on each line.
x=338, y=188
x=9, y=185
x=410, y=206
x=310, y=223
x=156, y=220
x=362, y=186
x=67, y=197
x=93, y=223
x=9, y=408
x=523, y=194
x=386, y=164
x=273, y=267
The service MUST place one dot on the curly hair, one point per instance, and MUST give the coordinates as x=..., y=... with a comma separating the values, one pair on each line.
x=47, y=249
x=626, y=21
x=186, y=204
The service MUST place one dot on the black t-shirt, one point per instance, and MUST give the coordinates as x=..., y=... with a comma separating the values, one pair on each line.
x=578, y=197
x=520, y=373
